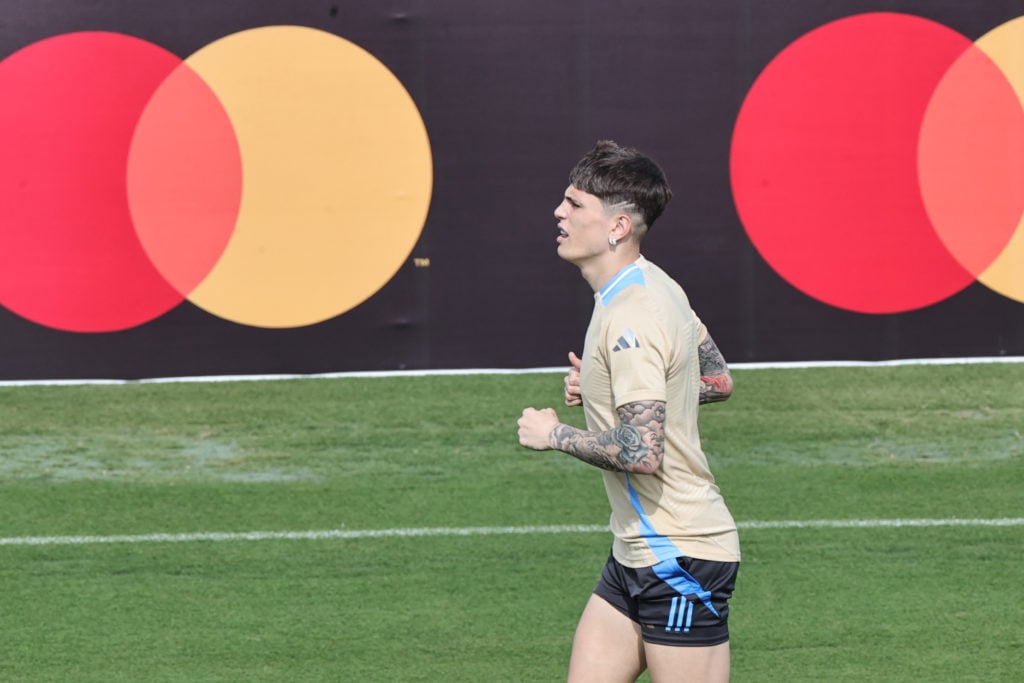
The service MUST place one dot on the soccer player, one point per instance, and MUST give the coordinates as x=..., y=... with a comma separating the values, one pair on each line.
x=648, y=362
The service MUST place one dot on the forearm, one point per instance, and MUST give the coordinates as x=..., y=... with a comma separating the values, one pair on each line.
x=715, y=380
x=636, y=446
x=616, y=450
x=715, y=388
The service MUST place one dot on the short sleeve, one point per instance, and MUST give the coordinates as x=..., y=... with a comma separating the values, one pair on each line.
x=702, y=330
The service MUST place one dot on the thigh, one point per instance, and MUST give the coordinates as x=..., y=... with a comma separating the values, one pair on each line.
x=607, y=647
x=667, y=663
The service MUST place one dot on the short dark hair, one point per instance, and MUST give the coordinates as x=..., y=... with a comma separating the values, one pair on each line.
x=617, y=175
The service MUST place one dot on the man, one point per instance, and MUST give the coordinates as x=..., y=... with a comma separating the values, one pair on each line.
x=661, y=603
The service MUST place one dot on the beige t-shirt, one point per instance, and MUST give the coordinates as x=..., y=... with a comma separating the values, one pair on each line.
x=642, y=346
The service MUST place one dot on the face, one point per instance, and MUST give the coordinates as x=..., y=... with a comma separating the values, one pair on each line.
x=584, y=226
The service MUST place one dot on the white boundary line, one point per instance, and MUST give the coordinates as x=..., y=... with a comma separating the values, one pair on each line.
x=346, y=534
x=504, y=371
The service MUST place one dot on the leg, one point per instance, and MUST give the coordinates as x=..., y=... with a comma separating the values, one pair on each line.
x=700, y=664
x=607, y=647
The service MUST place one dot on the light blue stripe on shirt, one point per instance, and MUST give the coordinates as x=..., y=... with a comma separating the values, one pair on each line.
x=630, y=275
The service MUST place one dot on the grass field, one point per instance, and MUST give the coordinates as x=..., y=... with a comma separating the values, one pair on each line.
x=880, y=508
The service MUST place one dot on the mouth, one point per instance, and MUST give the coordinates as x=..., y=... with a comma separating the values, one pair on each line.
x=562, y=236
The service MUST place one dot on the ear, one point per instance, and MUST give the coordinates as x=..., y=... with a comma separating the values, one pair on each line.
x=622, y=227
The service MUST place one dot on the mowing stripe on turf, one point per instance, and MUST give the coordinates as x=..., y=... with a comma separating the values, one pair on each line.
x=346, y=534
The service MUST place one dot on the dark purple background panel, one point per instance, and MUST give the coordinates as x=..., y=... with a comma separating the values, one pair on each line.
x=512, y=93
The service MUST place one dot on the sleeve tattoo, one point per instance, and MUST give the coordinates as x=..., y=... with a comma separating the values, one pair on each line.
x=715, y=380
x=637, y=446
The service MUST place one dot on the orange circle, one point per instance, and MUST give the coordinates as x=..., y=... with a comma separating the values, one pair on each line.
x=337, y=176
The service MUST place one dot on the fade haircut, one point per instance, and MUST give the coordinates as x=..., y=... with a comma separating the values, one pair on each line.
x=623, y=176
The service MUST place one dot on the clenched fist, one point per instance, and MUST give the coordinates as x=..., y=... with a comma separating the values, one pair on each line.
x=535, y=427
x=573, y=397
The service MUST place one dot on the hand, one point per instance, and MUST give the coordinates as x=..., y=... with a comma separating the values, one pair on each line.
x=573, y=396
x=535, y=427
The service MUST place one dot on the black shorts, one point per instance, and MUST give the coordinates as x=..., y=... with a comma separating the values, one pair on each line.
x=683, y=601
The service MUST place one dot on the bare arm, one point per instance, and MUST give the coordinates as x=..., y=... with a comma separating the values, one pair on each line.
x=637, y=446
x=715, y=380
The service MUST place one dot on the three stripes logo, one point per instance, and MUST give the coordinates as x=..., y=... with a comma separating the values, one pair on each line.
x=680, y=616
x=628, y=340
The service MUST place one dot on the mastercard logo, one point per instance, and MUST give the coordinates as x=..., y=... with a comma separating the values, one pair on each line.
x=877, y=162
x=276, y=178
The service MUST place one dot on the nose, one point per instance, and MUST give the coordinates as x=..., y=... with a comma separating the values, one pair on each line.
x=560, y=211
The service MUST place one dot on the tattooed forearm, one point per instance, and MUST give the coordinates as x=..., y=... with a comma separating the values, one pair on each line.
x=715, y=380
x=617, y=450
x=715, y=388
x=637, y=446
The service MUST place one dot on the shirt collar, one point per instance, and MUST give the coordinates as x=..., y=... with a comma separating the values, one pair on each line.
x=630, y=275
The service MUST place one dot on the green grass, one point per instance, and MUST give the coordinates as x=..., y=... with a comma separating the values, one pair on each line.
x=812, y=604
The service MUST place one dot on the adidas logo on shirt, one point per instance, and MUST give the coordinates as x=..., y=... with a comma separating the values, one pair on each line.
x=628, y=340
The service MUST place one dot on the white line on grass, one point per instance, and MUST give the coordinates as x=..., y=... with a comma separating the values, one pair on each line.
x=970, y=360
x=346, y=534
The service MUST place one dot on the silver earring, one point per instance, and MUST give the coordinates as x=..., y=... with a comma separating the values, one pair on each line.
x=611, y=241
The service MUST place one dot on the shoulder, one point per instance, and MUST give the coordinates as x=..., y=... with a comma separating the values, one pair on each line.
x=663, y=284
x=631, y=303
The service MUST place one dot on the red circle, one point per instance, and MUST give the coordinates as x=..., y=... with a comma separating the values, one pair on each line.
x=70, y=257
x=824, y=163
